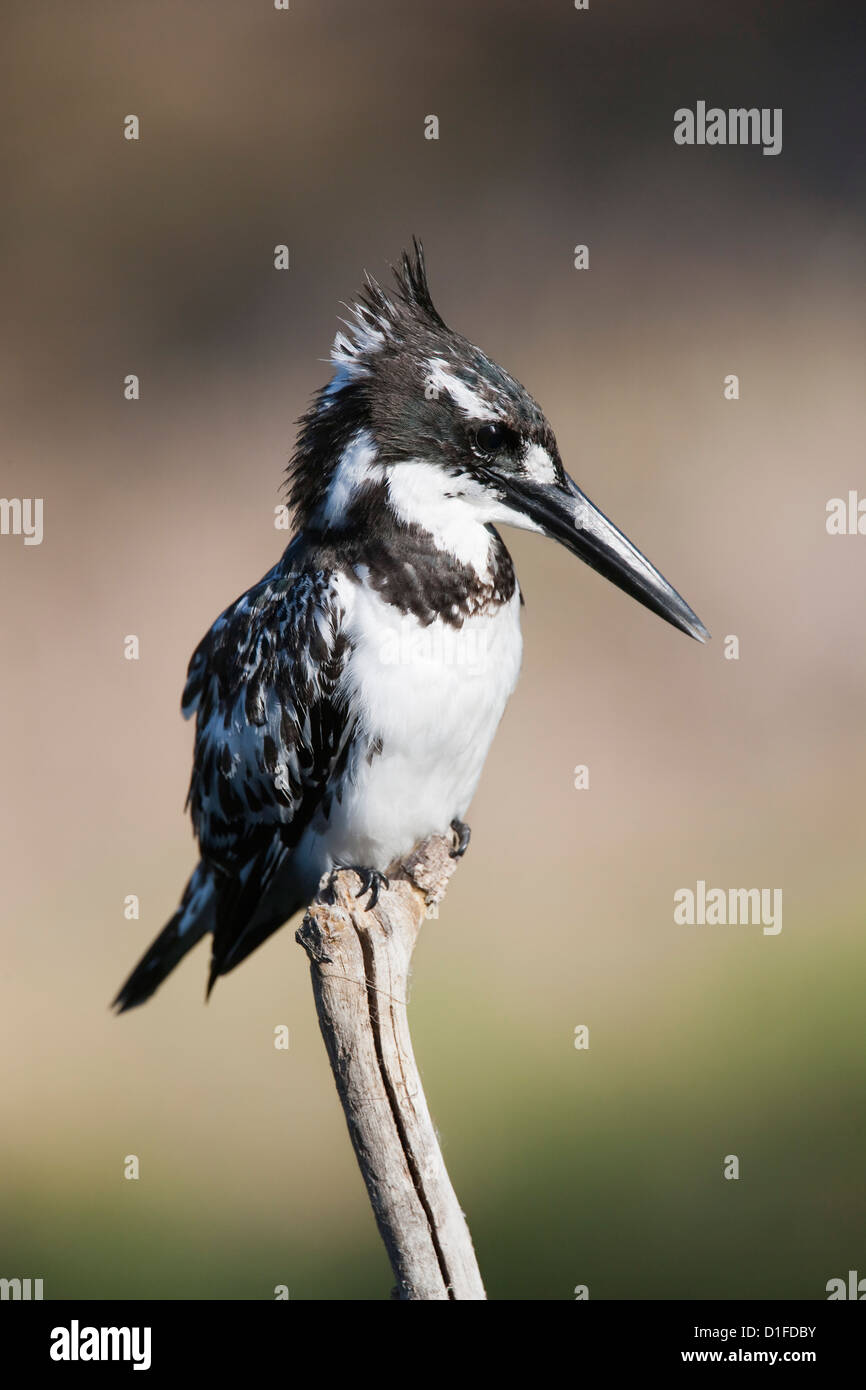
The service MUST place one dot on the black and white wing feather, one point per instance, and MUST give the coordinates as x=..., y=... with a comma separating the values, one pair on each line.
x=273, y=733
x=271, y=726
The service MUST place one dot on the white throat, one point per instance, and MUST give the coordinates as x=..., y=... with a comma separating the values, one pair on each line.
x=423, y=495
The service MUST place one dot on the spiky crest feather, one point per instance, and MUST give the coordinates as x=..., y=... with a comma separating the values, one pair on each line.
x=381, y=322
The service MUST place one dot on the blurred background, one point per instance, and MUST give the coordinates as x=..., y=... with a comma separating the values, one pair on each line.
x=600, y=1167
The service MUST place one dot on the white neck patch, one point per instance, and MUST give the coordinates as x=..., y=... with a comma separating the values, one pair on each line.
x=452, y=510
x=357, y=465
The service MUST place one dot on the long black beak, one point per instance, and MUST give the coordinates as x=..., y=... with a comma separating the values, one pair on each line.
x=566, y=515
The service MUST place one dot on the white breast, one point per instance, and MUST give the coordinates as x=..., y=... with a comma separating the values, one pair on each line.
x=430, y=698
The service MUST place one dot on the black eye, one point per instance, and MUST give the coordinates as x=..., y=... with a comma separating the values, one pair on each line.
x=490, y=438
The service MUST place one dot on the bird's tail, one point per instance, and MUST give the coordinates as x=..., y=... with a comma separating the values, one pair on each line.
x=195, y=916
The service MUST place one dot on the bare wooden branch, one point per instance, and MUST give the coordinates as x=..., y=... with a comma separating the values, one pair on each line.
x=360, y=964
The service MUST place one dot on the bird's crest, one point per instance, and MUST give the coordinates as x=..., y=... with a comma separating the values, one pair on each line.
x=380, y=318
x=384, y=326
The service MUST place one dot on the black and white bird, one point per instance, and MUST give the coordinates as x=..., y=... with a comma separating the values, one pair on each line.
x=346, y=703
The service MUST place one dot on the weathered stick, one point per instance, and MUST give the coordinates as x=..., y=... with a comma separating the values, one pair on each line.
x=360, y=969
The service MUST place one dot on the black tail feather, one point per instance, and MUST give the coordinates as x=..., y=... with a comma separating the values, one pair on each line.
x=241, y=910
x=247, y=912
x=193, y=918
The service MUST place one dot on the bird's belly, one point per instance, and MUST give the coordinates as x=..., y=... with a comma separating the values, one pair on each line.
x=430, y=700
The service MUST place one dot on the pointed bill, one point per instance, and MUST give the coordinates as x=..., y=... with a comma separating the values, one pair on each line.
x=564, y=513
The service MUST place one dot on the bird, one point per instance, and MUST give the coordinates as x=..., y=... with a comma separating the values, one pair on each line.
x=345, y=704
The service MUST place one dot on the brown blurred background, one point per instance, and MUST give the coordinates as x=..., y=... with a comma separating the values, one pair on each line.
x=601, y=1167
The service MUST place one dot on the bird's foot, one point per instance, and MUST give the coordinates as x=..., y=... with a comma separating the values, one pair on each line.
x=462, y=831
x=372, y=882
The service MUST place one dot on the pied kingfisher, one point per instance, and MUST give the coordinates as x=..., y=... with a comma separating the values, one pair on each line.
x=346, y=703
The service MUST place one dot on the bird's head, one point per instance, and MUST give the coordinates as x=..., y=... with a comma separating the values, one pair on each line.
x=418, y=419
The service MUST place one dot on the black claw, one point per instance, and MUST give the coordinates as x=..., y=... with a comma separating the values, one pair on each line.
x=372, y=882
x=462, y=831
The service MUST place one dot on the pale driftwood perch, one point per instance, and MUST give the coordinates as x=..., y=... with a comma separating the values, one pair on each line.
x=360, y=969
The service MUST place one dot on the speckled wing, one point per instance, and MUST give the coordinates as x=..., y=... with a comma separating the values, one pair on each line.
x=271, y=727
